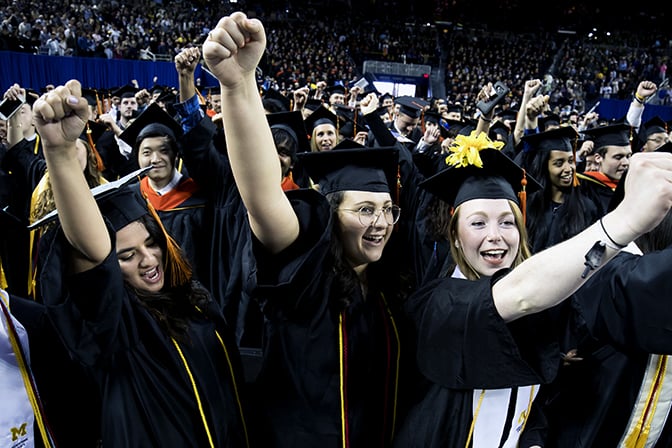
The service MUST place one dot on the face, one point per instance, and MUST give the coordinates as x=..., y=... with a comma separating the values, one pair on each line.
x=655, y=141
x=285, y=163
x=591, y=163
x=561, y=169
x=26, y=117
x=388, y=103
x=615, y=161
x=452, y=115
x=325, y=137
x=363, y=244
x=127, y=106
x=487, y=234
x=156, y=151
x=216, y=101
x=337, y=98
x=406, y=124
x=140, y=258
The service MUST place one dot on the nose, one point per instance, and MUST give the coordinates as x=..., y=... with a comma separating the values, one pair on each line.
x=147, y=257
x=494, y=233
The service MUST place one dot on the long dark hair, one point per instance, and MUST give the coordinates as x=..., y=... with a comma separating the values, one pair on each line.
x=172, y=307
x=573, y=215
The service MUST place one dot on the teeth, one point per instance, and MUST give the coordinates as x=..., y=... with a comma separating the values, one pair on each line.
x=494, y=252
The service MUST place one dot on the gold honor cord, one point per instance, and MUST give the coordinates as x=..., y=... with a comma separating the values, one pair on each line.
x=193, y=385
x=397, y=363
x=341, y=329
x=640, y=433
x=25, y=375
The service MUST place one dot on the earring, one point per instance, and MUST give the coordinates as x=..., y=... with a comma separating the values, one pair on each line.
x=457, y=244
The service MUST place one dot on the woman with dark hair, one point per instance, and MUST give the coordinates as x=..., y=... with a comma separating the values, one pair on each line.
x=318, y=268
x=123, y=301
x=560, y=210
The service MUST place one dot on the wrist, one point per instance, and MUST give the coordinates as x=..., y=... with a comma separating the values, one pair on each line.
x=640, y=99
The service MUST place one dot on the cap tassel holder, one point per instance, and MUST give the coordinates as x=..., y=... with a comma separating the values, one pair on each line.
x=522, y=195
x=175, y=265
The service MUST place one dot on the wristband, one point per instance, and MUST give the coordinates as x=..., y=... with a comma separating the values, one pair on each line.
x=640, y=99
x=614, y=245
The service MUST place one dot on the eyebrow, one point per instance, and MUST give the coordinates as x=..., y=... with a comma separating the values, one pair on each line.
x=128, y=249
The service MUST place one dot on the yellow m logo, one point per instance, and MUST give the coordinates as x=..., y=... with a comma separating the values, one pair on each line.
x=18, y=432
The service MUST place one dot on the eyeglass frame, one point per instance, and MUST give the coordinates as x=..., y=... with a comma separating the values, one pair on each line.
x=377, y=213
x=659, y=140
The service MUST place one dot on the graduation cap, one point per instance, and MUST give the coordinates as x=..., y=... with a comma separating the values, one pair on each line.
x=292, y=124
x=655, y=125
x=492, y=175
x=369, y=169
x=152, y=122
x=90, y=95
x=93, y=129
x=351, y=120
x=275, y=101
x=313, y=104
x=385, y=96
x=548, y=120
x=366, y=84
x=610, y=135
x=100, y=193
x=322, y=115
x=336, y=88
x=455, y=108
x=32, y=96
x=411, y=106
x=499, y=128
x=348, y=143
x=127, y=91
x=560, y=139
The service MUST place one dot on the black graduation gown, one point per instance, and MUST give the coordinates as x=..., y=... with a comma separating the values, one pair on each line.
x=148, y=396
x=116, y=164
x=619, y=318
x=597, y=191
x=462, y=344
x=24, y=170
x=184, y=223
x=227, y=232
x=320, y=363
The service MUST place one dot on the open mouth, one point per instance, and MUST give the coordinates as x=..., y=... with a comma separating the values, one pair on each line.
x=374, y=238
x=494, y=255
x=152, y=275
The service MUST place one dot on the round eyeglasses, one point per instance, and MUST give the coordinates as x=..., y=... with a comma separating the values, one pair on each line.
x=368, y=216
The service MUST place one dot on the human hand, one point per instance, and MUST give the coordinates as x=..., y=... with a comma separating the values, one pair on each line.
x=369, y=104
x=60, y=116
x=431, y=135
x=531, y=87
x=142, y=97
x=585, y=149
x=14, y=93
x=361, y=138
x=187, y=60
x=646, y=88
x=234, y=48
x=300, y=97
x=641, y=211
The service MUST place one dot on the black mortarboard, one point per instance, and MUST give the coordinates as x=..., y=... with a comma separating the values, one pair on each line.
x=313, y=104
x=611, y=135
x=152, y=122
x=384, y=96
x=454, y=108
x=336, y=88
x=410, y=106
x=498, y=128
x=159, y=89
x=563, y=138
x=127, y=91
x=96, y=130
x=321, y=115
x=655, y=125
x=348, y=143
x=32, y=96
x=349, y=125
x=116, y=191
x=370, y=169
x=366, y=82
x=548, y=120
x=277, y=96
x=292, y=123
x=90, y=96
x=508, y=114
x=498, y=178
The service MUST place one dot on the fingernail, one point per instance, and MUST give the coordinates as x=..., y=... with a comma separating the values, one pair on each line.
x=73, y=99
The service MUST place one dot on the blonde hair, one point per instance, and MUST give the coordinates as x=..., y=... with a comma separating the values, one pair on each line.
x=458, y=256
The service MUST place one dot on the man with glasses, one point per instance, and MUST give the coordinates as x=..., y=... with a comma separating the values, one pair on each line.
x=653, y=134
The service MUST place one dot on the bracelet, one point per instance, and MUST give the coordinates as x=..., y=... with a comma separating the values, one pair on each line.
x=614, y=245
x=640, y=99
x=488, y=120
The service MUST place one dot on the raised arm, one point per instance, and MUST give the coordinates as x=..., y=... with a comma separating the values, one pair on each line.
x=232, y=51
x=552, y=275
x=60, y=117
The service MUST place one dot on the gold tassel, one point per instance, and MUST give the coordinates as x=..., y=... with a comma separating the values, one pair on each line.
x=99, y=106
x=175, y=265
